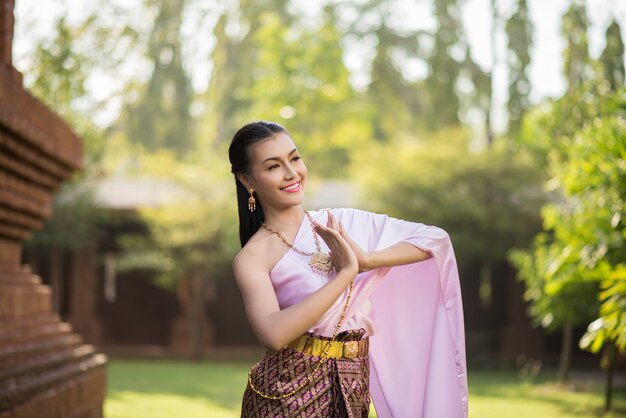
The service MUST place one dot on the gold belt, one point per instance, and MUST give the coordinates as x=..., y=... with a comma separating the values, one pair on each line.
x=338, y=349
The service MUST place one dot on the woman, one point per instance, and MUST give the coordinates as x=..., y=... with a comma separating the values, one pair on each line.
x=348, y=303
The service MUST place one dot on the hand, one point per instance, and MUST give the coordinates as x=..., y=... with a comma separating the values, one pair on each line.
x=361, y=256
x=341, y=253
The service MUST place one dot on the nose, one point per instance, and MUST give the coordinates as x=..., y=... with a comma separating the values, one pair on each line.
x=289, y=172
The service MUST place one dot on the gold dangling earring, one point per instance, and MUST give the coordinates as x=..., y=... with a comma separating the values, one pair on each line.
x=251, y=201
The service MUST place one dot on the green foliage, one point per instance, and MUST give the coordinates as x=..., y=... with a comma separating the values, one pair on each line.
x=228, y=84
x=610, y=327
x=59, y=71
x=576, y=58
x=519, y=31
x=549, y=129
x=299, y=80
x=75, y=222
x=583, y=256
x=193, y=235
x=315, y=99
x=57, y=77
x=555, y=287
x=487, y=200
x=444, y=67
x=397, y=100
x=160, y=118
x=594, y=180
x=612, y=57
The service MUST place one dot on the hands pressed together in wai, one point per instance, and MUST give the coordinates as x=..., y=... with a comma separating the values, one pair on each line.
x=345, y=253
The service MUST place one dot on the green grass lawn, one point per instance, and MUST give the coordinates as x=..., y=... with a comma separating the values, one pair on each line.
x=178, y=389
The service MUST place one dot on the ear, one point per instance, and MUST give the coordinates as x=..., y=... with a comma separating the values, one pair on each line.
x=245, y=180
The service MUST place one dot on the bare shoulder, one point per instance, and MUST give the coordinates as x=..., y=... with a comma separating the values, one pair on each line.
x=259, y=256
x=251, y=258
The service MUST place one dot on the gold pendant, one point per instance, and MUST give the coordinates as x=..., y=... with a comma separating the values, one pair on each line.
x=322, y=264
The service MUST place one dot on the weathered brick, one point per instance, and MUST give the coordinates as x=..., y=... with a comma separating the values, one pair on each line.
x=45, y=368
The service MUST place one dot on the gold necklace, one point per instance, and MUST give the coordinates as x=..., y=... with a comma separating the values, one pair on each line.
x=320, y=262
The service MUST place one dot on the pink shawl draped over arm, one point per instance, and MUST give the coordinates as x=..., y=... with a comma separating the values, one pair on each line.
x=417, y=352
x=413, y=313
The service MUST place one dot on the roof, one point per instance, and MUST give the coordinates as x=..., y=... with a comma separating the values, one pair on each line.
x=120, y=192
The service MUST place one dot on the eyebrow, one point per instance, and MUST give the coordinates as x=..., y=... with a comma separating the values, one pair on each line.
x=276, y=158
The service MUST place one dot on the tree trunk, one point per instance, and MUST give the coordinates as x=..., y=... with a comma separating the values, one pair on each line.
x=566, y=352
x=610, y=368
x=197, y=317
x=486, y=289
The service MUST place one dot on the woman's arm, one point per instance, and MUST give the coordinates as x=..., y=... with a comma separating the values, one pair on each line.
x=276, y=328
x=394, y=255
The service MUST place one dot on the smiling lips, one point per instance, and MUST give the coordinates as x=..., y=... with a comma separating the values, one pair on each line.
x=292, y=188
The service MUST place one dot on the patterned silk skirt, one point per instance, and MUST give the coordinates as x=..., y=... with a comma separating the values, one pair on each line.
x=339, y=388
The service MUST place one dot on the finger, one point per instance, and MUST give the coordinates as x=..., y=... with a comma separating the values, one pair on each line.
x=333, y=222
x=331, y=237
x=327, y=234
x=328, y=227
x=321, y=228
x=342, y=231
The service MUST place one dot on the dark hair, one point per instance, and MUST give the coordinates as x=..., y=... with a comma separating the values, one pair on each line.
x=251, y=133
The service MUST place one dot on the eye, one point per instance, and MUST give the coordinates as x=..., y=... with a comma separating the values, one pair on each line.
x=296, y=158
x=272, y=166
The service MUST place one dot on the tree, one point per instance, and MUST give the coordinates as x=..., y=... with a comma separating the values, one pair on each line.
x=576, y=62
x=298, y=80
x=559, y=298
x=519, y=32
x=559, y=284
x=230, y=77
x=488, y=201
x=612, y=57
x=492, y=193
x=191, y=240
x=398, y=103
x=582, y=252
x=389, y=88
x=160, y=118
x=444, y=65
x=59, y=70
x=58, y=75
x=593, y=179
x=548, y=129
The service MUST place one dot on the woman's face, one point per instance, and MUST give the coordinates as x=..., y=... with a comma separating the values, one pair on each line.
x=277, y=173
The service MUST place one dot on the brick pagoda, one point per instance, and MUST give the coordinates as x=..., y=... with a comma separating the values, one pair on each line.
x=45, y=368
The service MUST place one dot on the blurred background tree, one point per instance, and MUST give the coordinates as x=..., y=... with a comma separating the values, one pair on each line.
x=58, y=77
x=519, y=31
x=571, y=270
x=160, y=118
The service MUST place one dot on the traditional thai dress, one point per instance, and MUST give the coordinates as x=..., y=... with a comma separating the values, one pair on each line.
x=412, y=315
